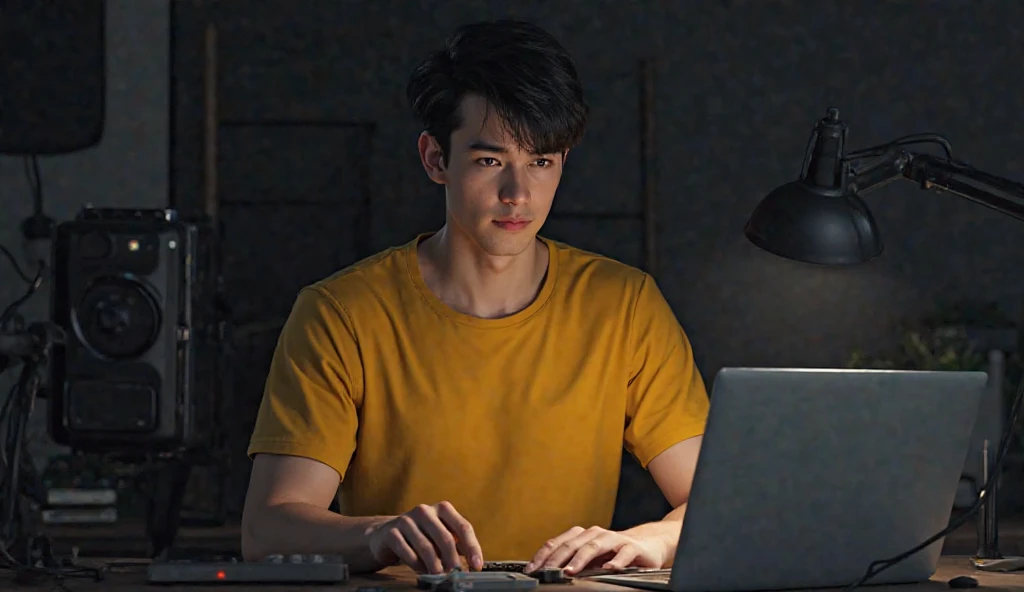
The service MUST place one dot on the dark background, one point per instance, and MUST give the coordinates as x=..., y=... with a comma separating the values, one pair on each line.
x=317, y=166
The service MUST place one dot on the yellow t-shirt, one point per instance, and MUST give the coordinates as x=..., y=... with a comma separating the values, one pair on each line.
x=519, y=421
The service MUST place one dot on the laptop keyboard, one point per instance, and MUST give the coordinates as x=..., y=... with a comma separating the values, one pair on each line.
x=658, y=576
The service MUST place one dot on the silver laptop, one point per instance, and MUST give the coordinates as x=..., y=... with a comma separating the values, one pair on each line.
x=806, y=476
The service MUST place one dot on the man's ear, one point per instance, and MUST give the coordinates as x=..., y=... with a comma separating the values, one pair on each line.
x=432, y=158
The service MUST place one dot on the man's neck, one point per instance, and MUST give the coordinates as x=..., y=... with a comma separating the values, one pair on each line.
x=475, y=283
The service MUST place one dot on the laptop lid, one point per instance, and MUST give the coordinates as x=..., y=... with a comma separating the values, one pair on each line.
x=806, y=476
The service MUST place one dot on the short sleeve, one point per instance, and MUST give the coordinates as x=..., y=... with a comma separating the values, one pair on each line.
x=667, y=400
x=314, y=387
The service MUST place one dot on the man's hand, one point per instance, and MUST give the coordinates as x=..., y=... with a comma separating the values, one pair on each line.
x=428, y=539
x=578, y=549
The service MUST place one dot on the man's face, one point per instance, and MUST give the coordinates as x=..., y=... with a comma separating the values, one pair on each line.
x=497, y=194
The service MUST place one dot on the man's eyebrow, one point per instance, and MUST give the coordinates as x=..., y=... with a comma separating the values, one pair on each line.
x=480, y=145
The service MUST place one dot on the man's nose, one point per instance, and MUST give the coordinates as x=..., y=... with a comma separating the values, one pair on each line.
x=515, y=188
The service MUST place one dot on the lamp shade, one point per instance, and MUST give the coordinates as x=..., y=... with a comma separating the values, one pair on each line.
x=799, y=222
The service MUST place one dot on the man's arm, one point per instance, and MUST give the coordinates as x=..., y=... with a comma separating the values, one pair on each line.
x=304, y=436
x=286, y=511
x=303, y=440
x=673, y=472
x=647, y=545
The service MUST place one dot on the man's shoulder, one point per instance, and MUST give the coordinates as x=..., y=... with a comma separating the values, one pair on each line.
x=370, y=278
x=595, y=270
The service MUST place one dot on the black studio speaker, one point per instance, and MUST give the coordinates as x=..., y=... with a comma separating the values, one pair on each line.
x=52, y=75
x=135, y=292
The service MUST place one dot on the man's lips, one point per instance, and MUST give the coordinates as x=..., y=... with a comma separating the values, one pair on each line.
x=516, y=224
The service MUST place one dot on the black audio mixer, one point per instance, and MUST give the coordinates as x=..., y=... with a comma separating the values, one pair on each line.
x=275, y=569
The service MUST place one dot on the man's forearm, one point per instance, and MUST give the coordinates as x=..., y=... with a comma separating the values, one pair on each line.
x=665, y=530
x=297, y=528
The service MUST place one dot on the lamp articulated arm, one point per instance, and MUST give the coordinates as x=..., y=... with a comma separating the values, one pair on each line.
x=866, y=172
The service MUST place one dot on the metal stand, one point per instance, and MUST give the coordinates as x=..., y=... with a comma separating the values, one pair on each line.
x=164, y=516
x=988, y=557
x=988, y=514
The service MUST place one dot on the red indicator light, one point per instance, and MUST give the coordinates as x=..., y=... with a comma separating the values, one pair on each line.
x=220, y=575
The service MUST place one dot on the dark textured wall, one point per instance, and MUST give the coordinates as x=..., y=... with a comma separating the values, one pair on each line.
x=739, y=85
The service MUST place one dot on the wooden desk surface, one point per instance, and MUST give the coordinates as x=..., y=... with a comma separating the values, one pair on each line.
x=398, y=578
x=128, y=540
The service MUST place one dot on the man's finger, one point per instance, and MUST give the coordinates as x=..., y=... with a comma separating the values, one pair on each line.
x=567, y=550
x=465, y=536
x=443, y=541
x=591, y=550
x=549, y=547
x=421, y=545
x=627, y=553
x=400, y=547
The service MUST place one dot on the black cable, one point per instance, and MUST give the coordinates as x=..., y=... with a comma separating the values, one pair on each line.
x=31, y=165
x=33, y=573
x=904, y=141
x=33, y=287
x=27, y=386
x=5, y=416
x=14, y=262
x=35, y=182
x=881, y=565
x=37, y=195
x=39, y=562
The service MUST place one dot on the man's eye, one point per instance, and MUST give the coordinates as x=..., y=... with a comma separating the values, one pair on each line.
x=543, y=162
x=487, y=161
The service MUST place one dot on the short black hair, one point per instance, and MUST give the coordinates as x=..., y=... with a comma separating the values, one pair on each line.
x=527, y=78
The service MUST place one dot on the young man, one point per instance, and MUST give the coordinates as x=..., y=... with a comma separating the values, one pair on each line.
x=471, y=391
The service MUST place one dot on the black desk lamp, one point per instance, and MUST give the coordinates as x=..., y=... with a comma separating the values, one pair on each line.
x=820, y=218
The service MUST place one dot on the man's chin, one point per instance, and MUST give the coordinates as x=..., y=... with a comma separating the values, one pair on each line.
x=507, y=246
